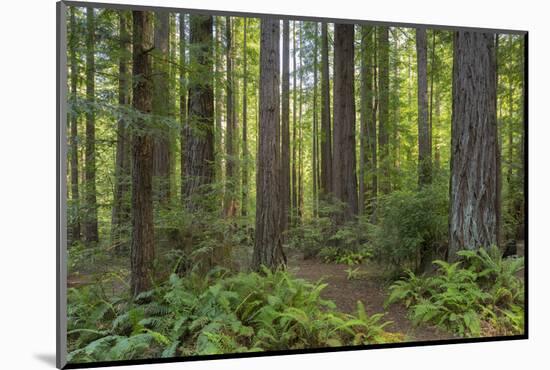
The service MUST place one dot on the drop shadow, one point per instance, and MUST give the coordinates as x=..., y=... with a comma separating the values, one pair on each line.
x=47, y=358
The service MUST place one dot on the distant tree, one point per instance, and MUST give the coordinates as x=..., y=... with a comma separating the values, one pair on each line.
x=344, y=163
x=424, y=132
x=73, y=118
x=183, y=97
x=268, y=248
x=326, y=132
x=143, y=248
x=230, y=203
x=285, y=130
x=245, y=154
x=91, y=234
x=383, y=123
x=473, y=185
x=199, y=132
x=121, y=208
x=162, y=156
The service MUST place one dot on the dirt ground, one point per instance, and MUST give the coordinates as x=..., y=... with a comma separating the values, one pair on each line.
x=370, y=288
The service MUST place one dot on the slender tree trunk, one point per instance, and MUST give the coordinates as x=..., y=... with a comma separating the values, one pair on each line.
x=268, y=249
x=218, y=92
x=162, y=155
x=183, y=99
x=230, y=204
x=90, y=226
x=75, y=194
x=285, y=131
x=383, y=90
x=371, y=125
x=498, y=150
x=121, y=202
x=326, y=132
x=344, y=177
x=199, y=135
x=300, y=175
x=244, y=199
x=315, y=129
x=143, y=249
x=433, y=72
x=473, y=217
x=424, y=147
x=294, y=191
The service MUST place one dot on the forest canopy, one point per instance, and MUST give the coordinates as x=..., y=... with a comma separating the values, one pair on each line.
x=219, y=167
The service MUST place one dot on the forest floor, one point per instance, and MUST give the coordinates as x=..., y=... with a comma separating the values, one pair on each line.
x=371, y=289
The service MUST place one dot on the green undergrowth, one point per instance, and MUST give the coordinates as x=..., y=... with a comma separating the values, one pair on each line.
x=219, y=313
x=480, y=295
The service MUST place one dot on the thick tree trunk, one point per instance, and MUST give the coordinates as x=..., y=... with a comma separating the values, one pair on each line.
x=268, y=249
x=90, y=212
x=326, y=132
x=143, y=249
x=424, y=142
x=230, y=203
x=285, y=131
x=199, y=133
x=473, y=188
x=343, y=170
x=383, y=91
x=121, y=202
x=75, y=194
x=244, y=174
x=162, y=155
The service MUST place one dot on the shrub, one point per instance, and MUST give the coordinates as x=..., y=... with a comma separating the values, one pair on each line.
x=477, y=296
x=407, y=222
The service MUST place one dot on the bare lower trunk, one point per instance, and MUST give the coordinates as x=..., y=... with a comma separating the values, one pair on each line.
x=344, y=179
x=75, y=193
x=268, y=249
x=383, y=91
x=473, y=187
x=424, y=142
x=285, y=131
x=142, y=251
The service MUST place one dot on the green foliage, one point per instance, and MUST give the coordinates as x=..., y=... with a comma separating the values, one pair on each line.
x=214, y=314
x=480, y=295
x=408, y=221
x=345, y=256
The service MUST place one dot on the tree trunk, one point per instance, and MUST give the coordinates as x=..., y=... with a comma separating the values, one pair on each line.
x=183, y=100
x=244, y=174
x=383, y=90
x=75, y=194
x=424, y=147
x=344, y=177
x=315, y=124
x=285, y=131
x=230, y=204
x=90, y=212
x=326, y=132
x=121, y=202
x=300, y=164
x=143, y=249
x=473, y=187
x=294, y=187
x=161, y=107
x=218, y=98
x=268, y=249
x=199, y=133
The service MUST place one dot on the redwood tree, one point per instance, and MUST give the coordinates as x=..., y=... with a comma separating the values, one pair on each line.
x=143, y=249
x=344, y=180
x=473, y=184
x=199, y=131
x=268, y=248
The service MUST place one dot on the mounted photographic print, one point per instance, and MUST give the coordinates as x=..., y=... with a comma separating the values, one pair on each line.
x=235, y=185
